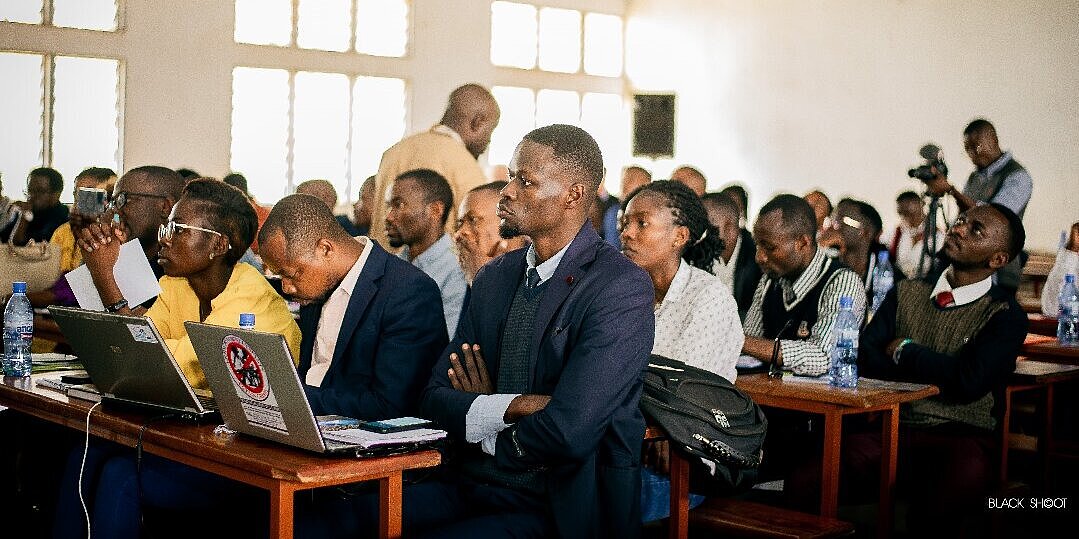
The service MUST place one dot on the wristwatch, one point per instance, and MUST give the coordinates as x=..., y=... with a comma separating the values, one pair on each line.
x=115, y=307
x=899, y=350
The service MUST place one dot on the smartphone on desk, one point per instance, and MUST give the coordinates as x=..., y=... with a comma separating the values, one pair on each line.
x=398, y=424
x=91, y=201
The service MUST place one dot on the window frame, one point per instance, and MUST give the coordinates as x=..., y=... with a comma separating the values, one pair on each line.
x=48, y=13
x=294, y=33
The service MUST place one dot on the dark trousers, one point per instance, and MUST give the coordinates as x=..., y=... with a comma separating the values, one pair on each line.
x=433, y=509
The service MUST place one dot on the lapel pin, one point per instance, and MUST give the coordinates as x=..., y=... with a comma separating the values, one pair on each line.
x=569, y=280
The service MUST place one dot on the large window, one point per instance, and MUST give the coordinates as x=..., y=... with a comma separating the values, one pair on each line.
x=86, y=14
x=58, y=111
x=375, y=27
x=603, y=115
x=555, y=39
x=293, y=126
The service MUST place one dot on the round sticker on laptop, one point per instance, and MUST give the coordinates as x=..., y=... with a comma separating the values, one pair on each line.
x=245, y=366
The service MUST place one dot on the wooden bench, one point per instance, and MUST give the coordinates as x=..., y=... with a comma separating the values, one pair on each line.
x=733, y=517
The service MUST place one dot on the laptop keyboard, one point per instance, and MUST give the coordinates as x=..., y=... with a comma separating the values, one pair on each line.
x=207, y=402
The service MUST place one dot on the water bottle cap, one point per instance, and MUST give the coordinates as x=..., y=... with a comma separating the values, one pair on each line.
x=18, y=287
x=247, y=319
x=846, y=302
x=882, y=256
x=1069, y=278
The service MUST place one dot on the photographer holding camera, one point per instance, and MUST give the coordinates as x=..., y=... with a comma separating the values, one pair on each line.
x=998, y=178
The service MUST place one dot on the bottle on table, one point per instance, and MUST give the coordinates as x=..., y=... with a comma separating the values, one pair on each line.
x=844, y=370
x=247, y=321
x=883, y=279
x=18, y=332
x=1068, y=313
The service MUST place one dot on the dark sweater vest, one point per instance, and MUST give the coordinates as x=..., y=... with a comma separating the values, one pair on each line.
x=802, y=317
x=514, y=376
x=945, y=331
x=1008, y=275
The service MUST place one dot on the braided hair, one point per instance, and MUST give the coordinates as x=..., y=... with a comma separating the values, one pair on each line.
x=704, y=245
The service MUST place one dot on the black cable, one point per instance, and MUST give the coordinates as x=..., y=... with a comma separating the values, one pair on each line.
x=138, y=461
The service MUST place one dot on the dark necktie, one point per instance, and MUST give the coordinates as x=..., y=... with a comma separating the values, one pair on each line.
x=532, y=278
x=945, y=299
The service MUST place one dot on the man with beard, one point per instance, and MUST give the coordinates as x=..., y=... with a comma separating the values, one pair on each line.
x=476, y=235
x=418, y=204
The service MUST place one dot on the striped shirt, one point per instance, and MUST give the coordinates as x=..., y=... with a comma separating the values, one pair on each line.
x=809, y=356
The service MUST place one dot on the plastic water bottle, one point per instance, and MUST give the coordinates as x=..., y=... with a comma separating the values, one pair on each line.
x=18, y=332
x=883, y=279
x=1068, y=315
x=247, y=321
x=844, y=371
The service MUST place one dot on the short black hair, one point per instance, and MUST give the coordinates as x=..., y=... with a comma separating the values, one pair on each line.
x=187, y=173
x=56, y=180
x=236, y=180
x=736, y=190
x=722, y=202
x=228, y=211
x=639, y=169
x=97, y=173
x=871, y=214
x=704, y=244
x=797, y=215
x=979, y=126
x=908, y=196
x=164, y=180
x=303, y=220
x=495, y=186
x=1017, y=234
x=573, y=148
x=435, y=189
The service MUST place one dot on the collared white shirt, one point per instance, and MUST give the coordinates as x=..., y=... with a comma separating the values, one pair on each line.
x=484, y=419
x=964, y=294
x=448, y=131
x=725, y=270
x=333, y=314
x=697, y=323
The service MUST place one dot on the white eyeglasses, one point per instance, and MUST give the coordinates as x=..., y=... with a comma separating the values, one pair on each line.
x=166, y=231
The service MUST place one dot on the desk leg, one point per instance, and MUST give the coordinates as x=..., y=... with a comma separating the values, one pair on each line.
x=281, y=514
x=829, y=481
x=389, y=506
x=889, y=456
x=679, y=520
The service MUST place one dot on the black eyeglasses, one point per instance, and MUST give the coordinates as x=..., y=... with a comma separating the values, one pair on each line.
x=122, y=197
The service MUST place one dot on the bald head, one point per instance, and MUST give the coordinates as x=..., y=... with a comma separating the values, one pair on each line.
x=320, y=189
x=691, y=178
x=473, y=113
x=160, y=180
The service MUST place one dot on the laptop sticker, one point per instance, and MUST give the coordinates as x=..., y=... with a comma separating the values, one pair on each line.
x=142, y=333
x=249, y=380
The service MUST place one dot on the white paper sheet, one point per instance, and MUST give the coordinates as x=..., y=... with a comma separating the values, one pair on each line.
x=133, y=275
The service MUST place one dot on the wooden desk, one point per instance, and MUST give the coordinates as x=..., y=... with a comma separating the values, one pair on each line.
x=834, y=403
x=1050, y=350
x=1042, y=325
x=277, y=468
x=1034, y=375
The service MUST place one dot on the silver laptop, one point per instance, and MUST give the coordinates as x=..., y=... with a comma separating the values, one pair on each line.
x=259, y=393
x=129, y=363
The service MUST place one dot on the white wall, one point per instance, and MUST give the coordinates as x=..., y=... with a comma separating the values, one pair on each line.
x=840, y=94
x=178, y=57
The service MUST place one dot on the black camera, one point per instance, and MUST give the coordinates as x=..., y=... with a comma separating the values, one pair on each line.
x=934, y=158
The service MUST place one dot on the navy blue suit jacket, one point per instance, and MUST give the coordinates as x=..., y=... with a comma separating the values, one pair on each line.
x=390, y=337
x=593, y=334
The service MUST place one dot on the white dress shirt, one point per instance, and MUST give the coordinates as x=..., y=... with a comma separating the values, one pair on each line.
x=964, y=294
x=333, y=313
x=725, y=270
x=697, y=323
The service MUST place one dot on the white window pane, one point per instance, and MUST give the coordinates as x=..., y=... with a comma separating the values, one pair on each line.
x=604, y=116
x=263, y=22
x=518, y=106
x=85, y=122
x=323, y=24
x=88, y=14
x=559, y=40
x=320, y=128
x=602, y=44
x=28, y=11
x=260, y=130
x=557, y=107
x=382, y=27
x=21, y=110
x=378, y=122
x=513, y=35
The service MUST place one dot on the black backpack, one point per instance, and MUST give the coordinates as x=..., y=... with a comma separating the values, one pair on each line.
x=705, y=416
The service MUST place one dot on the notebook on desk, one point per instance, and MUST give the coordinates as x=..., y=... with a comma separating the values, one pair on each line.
x=259, y=393
x=129, y=363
